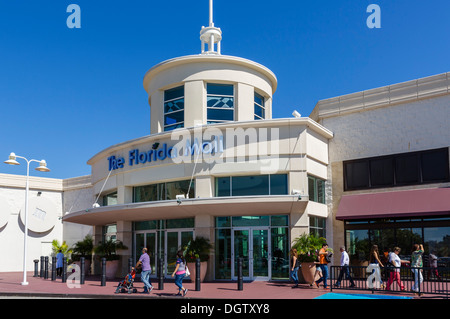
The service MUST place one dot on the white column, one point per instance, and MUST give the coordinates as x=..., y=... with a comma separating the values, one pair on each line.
x=211, y=43
x=211, y=23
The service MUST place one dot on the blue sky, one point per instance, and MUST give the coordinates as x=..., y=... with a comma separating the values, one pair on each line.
x=66, y=94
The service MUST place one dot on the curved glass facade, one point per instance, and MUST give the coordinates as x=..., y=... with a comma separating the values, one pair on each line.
x=174, y=108
x=276, y=184
x=163, y=191
x=260, y=110
x=220, y=103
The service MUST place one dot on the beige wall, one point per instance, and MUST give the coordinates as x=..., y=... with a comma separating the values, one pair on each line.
x=404, y=117
x=194, y=72
x=300, y=148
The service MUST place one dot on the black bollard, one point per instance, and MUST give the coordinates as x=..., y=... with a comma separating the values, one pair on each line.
x=103, y=279
x=36, y=268
x=130, y=264
x=240, y=276
x=53, y=268
x=41, y=273
x=64, y=270
x=161, y=274
x=197, y=274
x=46, y=267
x=82, y=271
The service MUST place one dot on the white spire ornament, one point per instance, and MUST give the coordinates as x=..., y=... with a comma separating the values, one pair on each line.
x=211, y=35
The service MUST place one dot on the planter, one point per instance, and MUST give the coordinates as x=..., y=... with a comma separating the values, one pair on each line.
x=87, y=266
x=360, y=270
x=203, y=269
x=111, y=268
x=308, y=269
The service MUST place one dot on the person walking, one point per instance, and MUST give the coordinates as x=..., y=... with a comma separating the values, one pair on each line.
x=295, y=265
x=318, y=272
x=394, y=274
x=433, y=259
x=180, y=273
x=345, y=262
x=323, y=264
x=144, y=262
x=59, y=263
x=375, y=263
x=416, y=265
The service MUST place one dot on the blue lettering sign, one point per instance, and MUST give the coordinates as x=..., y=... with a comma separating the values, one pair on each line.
x=136, y=157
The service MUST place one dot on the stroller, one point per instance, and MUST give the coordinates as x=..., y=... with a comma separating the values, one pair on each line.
x=126, y=285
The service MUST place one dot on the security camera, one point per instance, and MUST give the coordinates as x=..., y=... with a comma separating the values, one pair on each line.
x=296, y=114
x=298, y=193
x=179, y=198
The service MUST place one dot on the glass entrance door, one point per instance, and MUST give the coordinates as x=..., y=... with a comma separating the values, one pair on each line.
x=175, y=240
x=162, y=244
x=253, y=246
x=172, y=248
x=261, y=249
x=241, y=249
x=148, y=240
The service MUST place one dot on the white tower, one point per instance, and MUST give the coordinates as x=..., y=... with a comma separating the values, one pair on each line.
x=210, y=35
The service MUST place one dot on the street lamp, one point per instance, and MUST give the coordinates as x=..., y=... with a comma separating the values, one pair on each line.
x=42, y=168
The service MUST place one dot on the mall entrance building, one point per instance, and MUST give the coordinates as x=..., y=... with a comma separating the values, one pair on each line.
x=215, y=165
x=366, y=168
x=262, y=242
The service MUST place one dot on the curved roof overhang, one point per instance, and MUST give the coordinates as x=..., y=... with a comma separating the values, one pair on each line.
x=201, y=58
x=171, y=209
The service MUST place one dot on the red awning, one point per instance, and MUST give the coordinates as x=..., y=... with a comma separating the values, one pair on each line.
x=418, y=202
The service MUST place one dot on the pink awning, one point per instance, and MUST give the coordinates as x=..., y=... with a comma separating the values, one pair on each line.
x=418, y=202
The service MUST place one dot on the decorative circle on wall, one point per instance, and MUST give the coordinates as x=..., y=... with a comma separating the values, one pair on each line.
x=5, y=211
x=41, y=214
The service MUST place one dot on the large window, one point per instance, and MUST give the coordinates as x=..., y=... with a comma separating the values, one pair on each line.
x=252, y=185
x=260, y=111
x=109, y=199
x=316, y=189
x=433, y=233
x=109, y=232
x=220, y=103
x=318, y=226
x=163, y=191
x=413, y=168
x=162, y=224
x=174, y=108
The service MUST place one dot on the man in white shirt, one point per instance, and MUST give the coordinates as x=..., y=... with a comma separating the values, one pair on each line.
x=345, y=261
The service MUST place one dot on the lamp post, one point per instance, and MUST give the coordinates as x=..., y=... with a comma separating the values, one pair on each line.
x=42, y=168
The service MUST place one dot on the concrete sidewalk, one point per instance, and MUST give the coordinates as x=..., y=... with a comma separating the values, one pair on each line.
x=10, y=286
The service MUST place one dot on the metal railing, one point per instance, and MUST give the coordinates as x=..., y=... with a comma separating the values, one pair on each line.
x=421, y=281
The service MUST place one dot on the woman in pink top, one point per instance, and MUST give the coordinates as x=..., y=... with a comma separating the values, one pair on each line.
x=394, y=275
x=180, y=273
